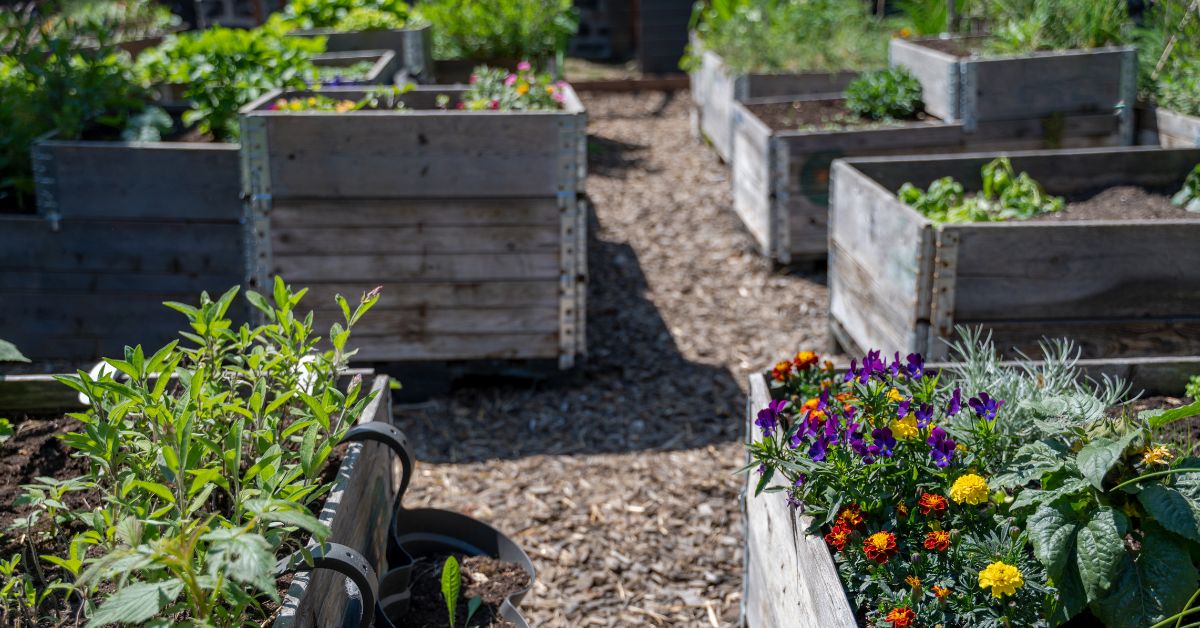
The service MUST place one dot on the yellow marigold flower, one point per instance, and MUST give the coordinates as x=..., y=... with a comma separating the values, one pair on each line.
x=549, y=89
x=344, y=106
x=906, y=428
x=913, y=581
x=969, y=489
x=1001, y=578
x=522, y=88
x=312, y=101
x=894, y=395
x=1158, y=454
x=940, y=592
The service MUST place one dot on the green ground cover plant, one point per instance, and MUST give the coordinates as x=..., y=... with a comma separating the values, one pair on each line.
x=205, y=461
x=351, y=15
x=536, y=30
x=1004, y=195
x=885, y=95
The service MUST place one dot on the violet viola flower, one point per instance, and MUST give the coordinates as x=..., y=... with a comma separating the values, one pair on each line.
x=872, y=365
x=818, y=449
x=884, y=441
x=768, y=417
x=894, y=367
x=955, y=403
x=851, y=372
x=800, y=480
x=916, y=365
x=941, y=447
x=902, y=409
x=984, y=406
x=762, y=468
x=924, y=414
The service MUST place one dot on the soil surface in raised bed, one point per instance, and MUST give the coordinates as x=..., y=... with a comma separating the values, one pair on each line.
x=1120, y=203
x=490, y=579
x=1185, y=434
x=818, y=115
x=956, y=47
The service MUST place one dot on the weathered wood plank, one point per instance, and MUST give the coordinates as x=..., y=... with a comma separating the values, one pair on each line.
x=762, y=85
x=1042, y=83
x=937, y=72
x=416, y=322
x=445, y=346
x=752, y=179
x=415, y=239
x=413, y=212
x=383, y=71
x=428, y=295
x=35, y=393
x=1176, y=130
x=791, y=580
x=382, y=268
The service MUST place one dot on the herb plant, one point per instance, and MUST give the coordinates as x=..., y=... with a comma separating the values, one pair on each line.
x=10, y=353
x=488, y=30
x=1005, y=195
x=885, y=95
x=1188, y=197
x=223, y=69
x=1193, y=388
x=207, y=458
x=1021, y=26
x=350, y=15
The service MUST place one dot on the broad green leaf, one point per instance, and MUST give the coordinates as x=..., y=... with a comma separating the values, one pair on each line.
x=10, y=353
x=241, y=556
x=451, y=585
x=1100, y=550
x=1097, y=457
x=1032, y=461
x=307, y=448
x=1172, y=509
x=136, y=603
x=154, y=487
x=473, y=605
x=1161, y=417
x=1052, y=532
x=1152, y=586
x=764, y=480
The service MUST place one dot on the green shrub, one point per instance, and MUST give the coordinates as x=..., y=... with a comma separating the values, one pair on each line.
x=363, y=19
x=310, y=14
x=493, y=29
x=1170, y=38
x=114, y=20
x=223, y=69
x=1021, y=26
x=891, y=94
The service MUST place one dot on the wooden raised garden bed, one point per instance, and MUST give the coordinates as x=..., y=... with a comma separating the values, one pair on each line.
x=716, y=89
x=781, y=177
x=790, y=577
x=121, y=228
x=384, y=67
x=413, y=47
x=473, y=222
x=1127, y=288
x=1167, y=128
x=960, y=85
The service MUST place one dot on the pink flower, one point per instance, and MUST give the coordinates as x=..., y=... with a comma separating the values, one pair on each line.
x=561, y=84
x=558, y=97
x=461, y=105
x=472, y=79
x=495, y=104
x=510, y=80
x=524, y=66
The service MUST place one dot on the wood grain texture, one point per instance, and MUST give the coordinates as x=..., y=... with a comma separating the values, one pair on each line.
x=358, y=512
x=408, y=212
x=415, y=239
x=1176, y=130
x=383, y=268
x=791, y=580
x=432, y=295
x=753, y=181
x=937, y=73
x=446, y=346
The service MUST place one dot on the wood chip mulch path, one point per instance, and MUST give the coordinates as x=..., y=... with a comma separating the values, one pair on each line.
x=620, y=482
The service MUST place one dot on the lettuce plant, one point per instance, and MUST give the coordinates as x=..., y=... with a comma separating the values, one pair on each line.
x=885, y=95
x=1005, y=195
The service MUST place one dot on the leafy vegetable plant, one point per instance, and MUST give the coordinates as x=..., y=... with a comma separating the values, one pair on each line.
x=891, y=94
x=1188, y=197
x=500, y=29
x=113, y=21
x=207, y=458
x=1021, y=26
x=350, y=15
x=1005, y=195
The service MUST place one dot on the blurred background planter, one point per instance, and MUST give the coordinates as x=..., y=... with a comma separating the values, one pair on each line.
x=472, y=221
x=383, y=67
x=413, y=47
x=1170, y=129
x=1119, y=289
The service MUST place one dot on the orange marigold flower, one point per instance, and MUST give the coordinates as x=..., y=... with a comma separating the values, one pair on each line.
x=850, y=516
x=837, y=536
x=901, y=508
x=804, y=359
x=913, y=581
x=880, y=546
x=932, y=504
x=901, y=617
x=940, y=592
x=828, y=366
x=781, y=371
x=938, y=540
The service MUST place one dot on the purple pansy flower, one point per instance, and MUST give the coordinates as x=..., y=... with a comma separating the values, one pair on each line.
x=884, y=441
x=941, y=447
x=984, y=406
x=894, y=368
x=955, y=403
x=902, y=409
x=916, y=365
x=851, y=372
x=762, y=468
x=768, y=417
x=924, y=414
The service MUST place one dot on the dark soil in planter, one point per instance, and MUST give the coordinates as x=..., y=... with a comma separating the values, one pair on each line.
x=818, y=115
x=1185, y=434
x=491, y=579
x=1120, y=203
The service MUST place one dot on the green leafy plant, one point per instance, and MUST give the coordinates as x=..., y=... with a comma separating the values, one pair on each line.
x=223, y=69
x=1193, y=388
x=1021, y=26
x=1188, y=197
x=452, y=589
x=891, y=94
x=790, y=35
x=10, y=353
x=500, y=29
x=350, y=15
x=523, y=90
x=1005, y=195
x=363, y=19
x=113, y=21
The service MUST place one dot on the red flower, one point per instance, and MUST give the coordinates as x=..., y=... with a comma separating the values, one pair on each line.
x=838, y=536
x=880, y=546
x=932, y=504
x=938, y=540
x=901, y=617
x=940, y=592
x=781, y=371
x=804, y=359
x=851, y=516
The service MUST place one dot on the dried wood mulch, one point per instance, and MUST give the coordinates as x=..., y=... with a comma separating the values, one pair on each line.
x=620, y=482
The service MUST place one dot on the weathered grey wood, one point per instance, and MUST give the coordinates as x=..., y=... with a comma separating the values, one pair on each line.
x=383, y=71
x=35, y=393
x=977, y=89
x=447, y=346
x=416, y=239
x=791, y=580
x=1176, y=130
x=415, y=212
x=358, y=512
x=304, y=269
x=415, y=322
x=432, y=295
x=137, y=180
x=413, y=47
x=1118, y=288
x=753, y=179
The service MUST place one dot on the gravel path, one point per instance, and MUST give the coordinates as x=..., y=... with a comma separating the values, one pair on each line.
x=619, y=482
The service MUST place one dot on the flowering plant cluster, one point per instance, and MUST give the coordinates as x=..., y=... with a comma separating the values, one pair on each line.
x=982, y=495
x=523, y=90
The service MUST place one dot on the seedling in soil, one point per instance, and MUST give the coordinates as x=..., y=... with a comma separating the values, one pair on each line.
x=452, y=588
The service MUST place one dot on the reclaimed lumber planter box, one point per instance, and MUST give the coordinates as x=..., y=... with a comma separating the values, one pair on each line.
x=1118, y=288
x=473, y=222
x=716, y=89
x=122, y=228
x=781, y=178
x=413, y=47
x=790, y=577
x=358, y=511
x=384, y=68
x=1170, y=129
x=977, y=89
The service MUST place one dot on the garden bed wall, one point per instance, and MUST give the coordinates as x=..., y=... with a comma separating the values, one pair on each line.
x=384, y=70
x=790, y=578
x=1118, y=288
x=1167, y=128
x=1017, y=87
x=358, y=512
x=716, y=89
x=413, y=47
x=121, y=228
x=472, y=222
x=781, y=178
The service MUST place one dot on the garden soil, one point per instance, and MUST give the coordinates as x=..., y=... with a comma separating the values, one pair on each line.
x=1120, y=203
x=621, y=483
x=819, y=115
x=491, y=580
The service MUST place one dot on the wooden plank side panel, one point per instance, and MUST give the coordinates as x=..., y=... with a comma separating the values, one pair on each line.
x=765, y=85
x=1101, y=339
x=415, y=239
x=415, y=155
x=386, y=213
x=1176, y=130
x=432, y=295
x=392, y=348
x=716, y=112
x=791, y=580
x=141, y=180
x=1046, y=271
x=303, y=269
x=1046, y=83
x=752, y=198
x=937, y=72
x=424, y=322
